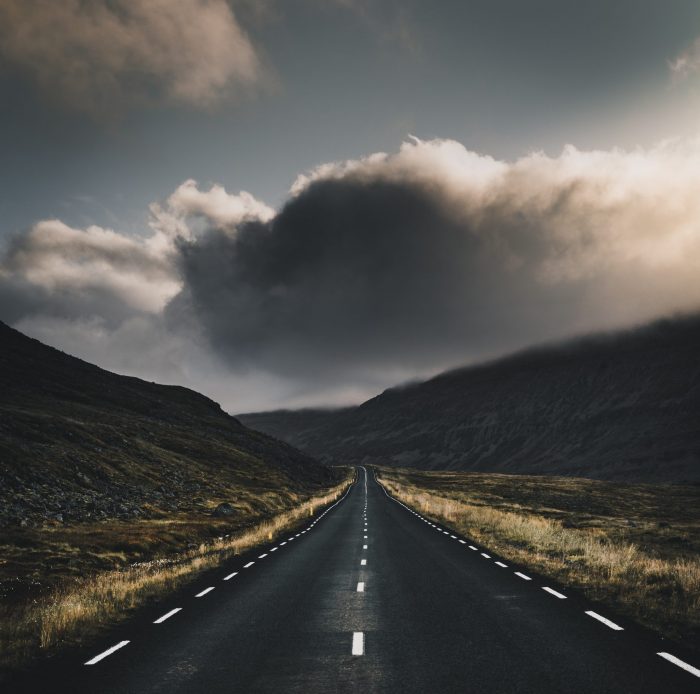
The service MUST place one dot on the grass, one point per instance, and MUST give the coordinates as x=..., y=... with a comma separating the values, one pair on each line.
x=74, y=596
x=634, y=548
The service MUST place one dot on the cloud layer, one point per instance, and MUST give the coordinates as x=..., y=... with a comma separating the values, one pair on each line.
x=375, y=270
x=100, y=55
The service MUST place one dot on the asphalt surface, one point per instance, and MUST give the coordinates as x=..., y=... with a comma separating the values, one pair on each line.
x=434, y=616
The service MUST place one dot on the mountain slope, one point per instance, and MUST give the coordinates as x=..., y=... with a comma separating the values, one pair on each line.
x=618, y=407
x=78, y=443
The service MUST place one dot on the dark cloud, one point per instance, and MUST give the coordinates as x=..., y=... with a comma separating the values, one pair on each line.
x=351, y=276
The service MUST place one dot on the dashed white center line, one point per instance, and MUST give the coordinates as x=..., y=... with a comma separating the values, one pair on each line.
x=365, y=537
x=361, y=587
x=249, y=564
x=523, y=576
x=363, y=562
x=605, y=621
x=472, y=547
x=485, y=556
x=358, y=643
x=230, y=576
x=104, y=654
x=167, y=615
x=555, y=593
x=262, y=556
x=282, y=544
x=204, y=592
x=502, y=565
x=364, y=546
x=274, y=549
x=462, y=542
x=677, y=661
x=454, y=537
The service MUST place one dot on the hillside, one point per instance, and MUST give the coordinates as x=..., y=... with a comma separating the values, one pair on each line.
x=78, y=444
x=620, y=407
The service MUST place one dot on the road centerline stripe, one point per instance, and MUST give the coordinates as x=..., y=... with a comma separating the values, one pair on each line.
x=361, y=587
x=358, y=643
x=523, y=576
x=204, y=592
x=230, y=576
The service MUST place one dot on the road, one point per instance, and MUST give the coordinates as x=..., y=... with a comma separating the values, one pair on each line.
x=371, y=597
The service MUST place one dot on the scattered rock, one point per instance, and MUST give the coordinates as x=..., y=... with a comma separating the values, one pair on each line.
x=222, y=510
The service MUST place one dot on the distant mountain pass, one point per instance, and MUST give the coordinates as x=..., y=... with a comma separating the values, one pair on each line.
x=620, y=406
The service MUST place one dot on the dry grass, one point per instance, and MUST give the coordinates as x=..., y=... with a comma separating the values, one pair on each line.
x=654, y=580
x=76, y=608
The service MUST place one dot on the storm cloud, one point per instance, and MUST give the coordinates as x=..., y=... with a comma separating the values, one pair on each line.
x=380, y=269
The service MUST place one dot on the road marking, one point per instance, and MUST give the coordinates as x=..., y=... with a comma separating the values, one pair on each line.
x=444, y=532
x=230, y=576
x=485, y=556
x=361, y=587
x=502, y=565
x=282, y=544
x=274, y=549
x=607, y=622
x=204, y=592
x=109, y=651
x=249, y=564
x=677, y=661
x=463, y=542
x=472, y=547
x=523, y=576
x=555, y=593
x=454, y=537
x=358, y=643
x=365, y=537
x=363, y=562
x=167, y=615
x=262, y=556
x=289, y=539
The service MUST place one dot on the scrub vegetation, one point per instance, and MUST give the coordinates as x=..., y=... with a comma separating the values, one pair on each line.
x=64, y=594
x=635, y=548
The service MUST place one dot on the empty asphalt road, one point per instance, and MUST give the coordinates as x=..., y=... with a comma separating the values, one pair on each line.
x=371, y=597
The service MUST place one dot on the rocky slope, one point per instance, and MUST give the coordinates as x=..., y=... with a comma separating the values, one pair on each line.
x=79, y=444
x=618, y=407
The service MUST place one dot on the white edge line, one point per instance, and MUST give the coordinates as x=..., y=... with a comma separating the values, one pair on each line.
x=555, y=593
x=605, y=621
x=167, y=615
x=677, y=661
x=104, y=654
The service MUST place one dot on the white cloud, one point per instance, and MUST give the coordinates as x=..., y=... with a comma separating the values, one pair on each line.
x=687, y=62
x=98, y=55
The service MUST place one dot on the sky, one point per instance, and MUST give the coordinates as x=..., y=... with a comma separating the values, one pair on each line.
x=290, y=203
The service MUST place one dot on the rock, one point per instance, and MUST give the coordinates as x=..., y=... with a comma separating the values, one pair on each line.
x=224, y=509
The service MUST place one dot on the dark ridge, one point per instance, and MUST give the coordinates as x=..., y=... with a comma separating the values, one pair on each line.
x=618, y=406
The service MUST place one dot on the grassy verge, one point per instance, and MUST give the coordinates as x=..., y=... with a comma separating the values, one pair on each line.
x=74, y=600
x=633, y=547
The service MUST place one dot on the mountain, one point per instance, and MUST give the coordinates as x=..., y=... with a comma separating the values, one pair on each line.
x=622, y=406
x=79, y=443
